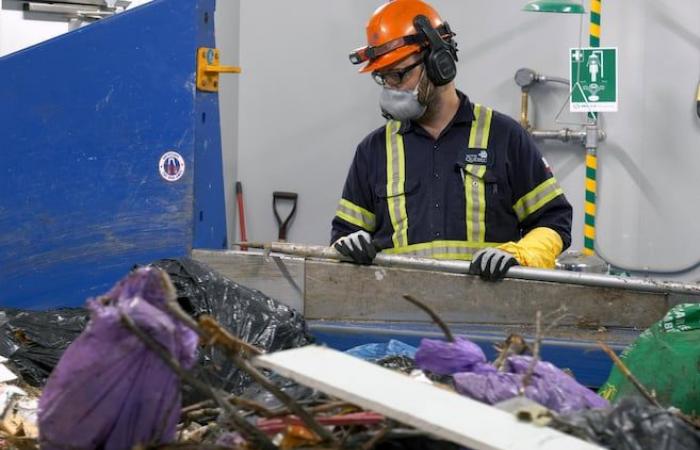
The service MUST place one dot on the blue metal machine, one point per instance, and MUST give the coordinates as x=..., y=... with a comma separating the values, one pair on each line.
x=111, y=156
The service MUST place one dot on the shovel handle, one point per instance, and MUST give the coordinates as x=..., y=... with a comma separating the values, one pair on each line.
x=282, y=224
x=241, y=214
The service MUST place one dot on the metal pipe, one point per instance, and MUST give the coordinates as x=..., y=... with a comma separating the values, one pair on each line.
x=591, y=183
x=462, y=267
x=75, y=2
x=567, y=134
x=523, y=109
x=552, y=79
x=564, y=135
x=68, y=9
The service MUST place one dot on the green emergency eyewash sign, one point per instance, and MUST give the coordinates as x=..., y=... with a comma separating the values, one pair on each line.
x=593, y=75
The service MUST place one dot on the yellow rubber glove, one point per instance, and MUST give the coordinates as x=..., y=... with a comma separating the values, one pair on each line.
x=539, y=248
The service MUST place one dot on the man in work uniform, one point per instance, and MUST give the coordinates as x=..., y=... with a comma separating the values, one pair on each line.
x=444, y=178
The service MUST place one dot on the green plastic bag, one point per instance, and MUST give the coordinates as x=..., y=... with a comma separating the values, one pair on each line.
x=666, y=360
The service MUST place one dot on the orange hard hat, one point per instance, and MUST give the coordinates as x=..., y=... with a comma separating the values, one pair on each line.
x=391, y=35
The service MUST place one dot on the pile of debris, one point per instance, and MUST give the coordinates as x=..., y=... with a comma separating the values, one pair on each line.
x=18, y=410
x=177, y=356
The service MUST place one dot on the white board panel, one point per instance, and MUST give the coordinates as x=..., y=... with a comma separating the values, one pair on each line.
x=439, y=412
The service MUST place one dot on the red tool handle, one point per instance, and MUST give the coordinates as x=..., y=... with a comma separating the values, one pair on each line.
x=241, y=214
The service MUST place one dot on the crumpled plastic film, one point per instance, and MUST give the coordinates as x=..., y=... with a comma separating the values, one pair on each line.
x=246, y=313
x=633, y=424
x=34, y=341
x=447, y=358
x=480, y=380
x=380, y=350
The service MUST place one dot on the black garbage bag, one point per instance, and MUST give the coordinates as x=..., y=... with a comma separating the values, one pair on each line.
x=399, y=363
x=633, y=424
x=34, y=341
x=246, y=313
x=301, y=394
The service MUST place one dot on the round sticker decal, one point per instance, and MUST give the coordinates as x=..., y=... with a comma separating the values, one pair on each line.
x=171, y=166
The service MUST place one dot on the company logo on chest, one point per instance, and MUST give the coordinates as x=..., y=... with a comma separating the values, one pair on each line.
x=476, y=156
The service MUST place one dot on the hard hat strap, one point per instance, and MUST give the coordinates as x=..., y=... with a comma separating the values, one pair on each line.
x=364, y=54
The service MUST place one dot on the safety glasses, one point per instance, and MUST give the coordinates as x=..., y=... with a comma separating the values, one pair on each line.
x=394, y=77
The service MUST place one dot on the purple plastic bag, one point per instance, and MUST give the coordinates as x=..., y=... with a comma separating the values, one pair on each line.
x=476, y=378
x=446, y=358
x=549, y=386
x=109, y=390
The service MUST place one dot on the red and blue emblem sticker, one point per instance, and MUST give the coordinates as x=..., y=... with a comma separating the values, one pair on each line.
x=171, y=166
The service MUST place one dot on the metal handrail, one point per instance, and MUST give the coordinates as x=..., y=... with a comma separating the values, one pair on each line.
x=462, y=267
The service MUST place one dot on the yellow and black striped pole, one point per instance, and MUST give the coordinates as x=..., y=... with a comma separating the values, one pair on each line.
x=591, y=151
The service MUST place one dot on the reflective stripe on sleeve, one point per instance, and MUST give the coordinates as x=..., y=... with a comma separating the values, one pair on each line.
x=356, y=215
x=537, y=198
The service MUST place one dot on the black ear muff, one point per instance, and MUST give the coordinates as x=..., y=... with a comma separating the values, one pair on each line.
x=440, y=63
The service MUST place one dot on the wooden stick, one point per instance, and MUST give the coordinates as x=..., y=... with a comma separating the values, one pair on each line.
x=247, y=429
x=433, y=315
x=238, y=401
x=535, y=352
x=288, y=401
x=224, y=338
x=230, y=344
x=377, y=438
x=539, y=336
x=628, y=374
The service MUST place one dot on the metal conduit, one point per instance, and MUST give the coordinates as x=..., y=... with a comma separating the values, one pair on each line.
x=462, y=267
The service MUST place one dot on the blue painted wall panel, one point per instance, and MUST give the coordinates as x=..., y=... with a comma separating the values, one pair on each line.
x=84, y=119
x=209, y=209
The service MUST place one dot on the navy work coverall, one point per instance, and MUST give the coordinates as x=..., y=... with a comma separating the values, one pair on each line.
x=482, y=183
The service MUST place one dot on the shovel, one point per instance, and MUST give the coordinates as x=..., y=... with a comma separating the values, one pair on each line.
x=284, y=196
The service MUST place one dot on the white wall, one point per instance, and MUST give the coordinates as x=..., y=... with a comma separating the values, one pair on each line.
x=18, y=32
x=227, y=23
x=20, y=29
x=303, y=109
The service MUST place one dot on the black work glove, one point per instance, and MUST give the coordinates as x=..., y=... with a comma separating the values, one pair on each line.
x=491, y=264
x=358, y=246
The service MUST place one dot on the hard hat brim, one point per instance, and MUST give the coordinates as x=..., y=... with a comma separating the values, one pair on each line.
x=387, y=60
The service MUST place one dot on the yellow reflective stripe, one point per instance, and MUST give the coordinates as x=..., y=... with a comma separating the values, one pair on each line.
x=481, y=127
x=475, y=126
x=395, y=183
x=474, y=187
x=463, y=250
x=537, y=198
x=486, y=128
x=356, y=215
x=481, y=236
x=475, y=194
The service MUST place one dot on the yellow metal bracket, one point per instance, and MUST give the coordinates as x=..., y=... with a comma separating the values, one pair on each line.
x=208, y=69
